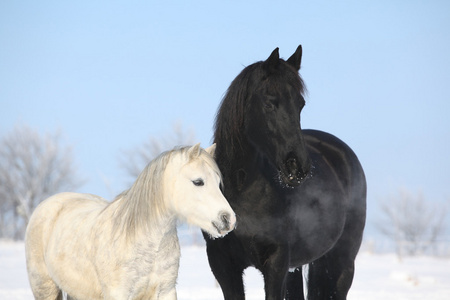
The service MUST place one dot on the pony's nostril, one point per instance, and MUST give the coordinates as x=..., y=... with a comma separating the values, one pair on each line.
x=225, y=218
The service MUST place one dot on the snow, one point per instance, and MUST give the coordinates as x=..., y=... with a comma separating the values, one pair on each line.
x=378, y=276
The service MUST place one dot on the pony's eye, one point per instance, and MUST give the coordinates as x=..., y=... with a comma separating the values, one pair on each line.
x=198, y=182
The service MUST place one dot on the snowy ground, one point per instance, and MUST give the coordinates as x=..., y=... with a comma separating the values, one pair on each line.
x=377, y=277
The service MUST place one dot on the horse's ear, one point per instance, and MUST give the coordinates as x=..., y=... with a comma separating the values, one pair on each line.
x=211, y=149
x=194, y=151
x=296, y=59
x=272, y=62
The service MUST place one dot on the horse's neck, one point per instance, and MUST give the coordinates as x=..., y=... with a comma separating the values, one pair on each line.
x=239, y=166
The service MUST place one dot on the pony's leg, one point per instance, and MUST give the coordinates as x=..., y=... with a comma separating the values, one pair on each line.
x=44, y=288
x=41, y=283
x=227, y=270
x=294, y=285
x=171, y=295
x=60, y=296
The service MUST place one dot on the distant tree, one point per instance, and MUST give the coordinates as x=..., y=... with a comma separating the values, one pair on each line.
x=412, y=223
x=134, y=160
x=32, y=168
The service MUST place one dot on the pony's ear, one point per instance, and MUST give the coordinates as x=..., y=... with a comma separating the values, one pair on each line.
x=296, y=59
x=211, y=149
x=272, y=62
x=194, y=151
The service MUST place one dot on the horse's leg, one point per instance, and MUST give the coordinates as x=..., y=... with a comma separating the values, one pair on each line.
x=331, y=276
x=294, y=285
x=229, y=277
x=275, y=270
x=227, y=269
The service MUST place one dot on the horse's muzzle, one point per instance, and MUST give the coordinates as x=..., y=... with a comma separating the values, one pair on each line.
x=294, y=173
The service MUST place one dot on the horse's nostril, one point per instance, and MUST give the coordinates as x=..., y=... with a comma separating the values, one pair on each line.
x=292, y=166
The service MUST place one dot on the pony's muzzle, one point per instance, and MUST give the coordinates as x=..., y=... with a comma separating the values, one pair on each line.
x=226, y=223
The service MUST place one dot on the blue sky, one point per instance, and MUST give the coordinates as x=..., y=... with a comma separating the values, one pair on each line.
x=109, y=74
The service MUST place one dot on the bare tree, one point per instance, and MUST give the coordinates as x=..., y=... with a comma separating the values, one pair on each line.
x=32, y=168
x=413, y=224
x=135, y=160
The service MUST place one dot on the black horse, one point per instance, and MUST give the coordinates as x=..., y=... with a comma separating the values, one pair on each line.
x=300, y=195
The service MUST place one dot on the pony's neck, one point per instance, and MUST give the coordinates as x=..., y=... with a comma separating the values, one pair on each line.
x=134, y=220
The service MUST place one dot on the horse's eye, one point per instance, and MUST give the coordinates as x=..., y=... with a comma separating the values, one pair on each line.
x=198, y=182
x=270, y=104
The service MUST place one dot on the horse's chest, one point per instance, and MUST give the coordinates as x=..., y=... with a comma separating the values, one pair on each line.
x=307, y=220
x=315, y=225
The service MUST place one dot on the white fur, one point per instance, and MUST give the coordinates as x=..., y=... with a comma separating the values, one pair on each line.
x=126, y=249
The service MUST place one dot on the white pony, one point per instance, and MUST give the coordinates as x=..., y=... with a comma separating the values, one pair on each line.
x=126, y=249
